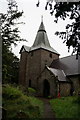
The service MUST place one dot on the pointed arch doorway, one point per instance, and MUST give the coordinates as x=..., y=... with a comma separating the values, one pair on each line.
x=46, y=88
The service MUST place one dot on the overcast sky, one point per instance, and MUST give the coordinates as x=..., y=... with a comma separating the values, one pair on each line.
x=32, y=19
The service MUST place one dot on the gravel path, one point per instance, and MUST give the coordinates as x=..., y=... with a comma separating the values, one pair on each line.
x=48, y=113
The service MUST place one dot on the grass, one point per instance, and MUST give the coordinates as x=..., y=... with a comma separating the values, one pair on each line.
x=66, y=107
x=19, y=105
x=37, y=102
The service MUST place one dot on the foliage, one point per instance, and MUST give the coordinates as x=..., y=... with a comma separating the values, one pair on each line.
x=71, y=10
x=10, y=35
x=49, y=97
x=37, y=102
x=72, y=34
x=31, y=91
x=9, y=31
x=10, y=92
x=66, y=107
x=19, y=105
x=10, y=66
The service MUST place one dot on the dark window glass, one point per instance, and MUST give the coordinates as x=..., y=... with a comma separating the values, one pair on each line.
x=29, y=83
x=50, y=55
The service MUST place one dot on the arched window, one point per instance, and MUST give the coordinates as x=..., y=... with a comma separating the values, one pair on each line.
x=29, y=83
x=50, y=55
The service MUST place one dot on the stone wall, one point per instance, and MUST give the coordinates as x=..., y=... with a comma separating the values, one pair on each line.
x=22, y=68
x=33, y=67
x=46, y=75
x=46, y=58
x=76, y=82
x=65, y=89
x=36, y=64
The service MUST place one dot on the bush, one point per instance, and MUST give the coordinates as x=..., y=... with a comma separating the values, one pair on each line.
x=19, y=105
x=10, y=92
x=31, y=91
x=49, y=97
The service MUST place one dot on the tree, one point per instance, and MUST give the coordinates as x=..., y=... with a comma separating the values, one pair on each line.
x=9, y=31
x=72, y=33
x=10, y=67
x=10, y=35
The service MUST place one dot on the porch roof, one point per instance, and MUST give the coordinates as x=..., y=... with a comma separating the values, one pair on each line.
x=58, y=73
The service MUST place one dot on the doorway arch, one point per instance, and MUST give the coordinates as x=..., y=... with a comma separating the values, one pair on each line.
x=46, y=88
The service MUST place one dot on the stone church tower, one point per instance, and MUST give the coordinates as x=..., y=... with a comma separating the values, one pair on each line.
x=34, y=59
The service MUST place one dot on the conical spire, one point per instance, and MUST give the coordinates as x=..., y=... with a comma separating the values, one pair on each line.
x=42, y=28
x=41, y=40
x=41, y=37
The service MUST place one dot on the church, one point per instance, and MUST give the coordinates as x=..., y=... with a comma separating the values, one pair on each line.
x=42, y=69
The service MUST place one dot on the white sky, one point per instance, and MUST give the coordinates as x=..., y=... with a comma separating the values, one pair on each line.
x=32, y=19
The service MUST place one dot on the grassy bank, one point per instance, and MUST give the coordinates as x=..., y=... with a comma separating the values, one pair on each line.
x=66, y=107
x=19, y=105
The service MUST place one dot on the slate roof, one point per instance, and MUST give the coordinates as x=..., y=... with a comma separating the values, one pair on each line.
x=64, y=67
x=41, y=37
x=41, y=41
x=25, y=48
x=70, y=65
x=58, y=73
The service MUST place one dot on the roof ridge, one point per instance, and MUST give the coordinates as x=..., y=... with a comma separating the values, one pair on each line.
x=67, y=56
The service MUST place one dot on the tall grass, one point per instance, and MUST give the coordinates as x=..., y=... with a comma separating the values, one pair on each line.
x=66, y=107
x=37, y=102
x=19, y=105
